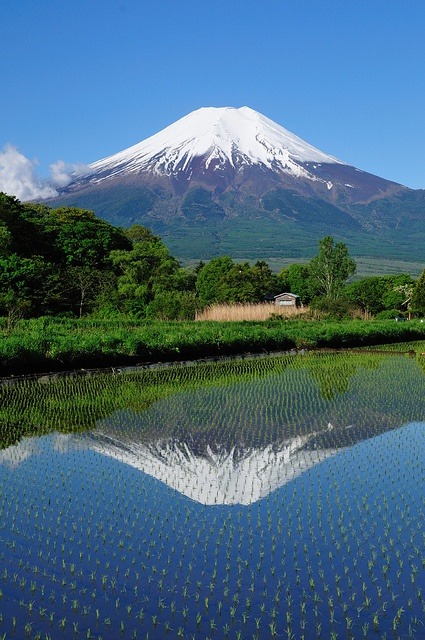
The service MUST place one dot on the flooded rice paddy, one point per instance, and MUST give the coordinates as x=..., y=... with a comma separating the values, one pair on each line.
x=265, y=498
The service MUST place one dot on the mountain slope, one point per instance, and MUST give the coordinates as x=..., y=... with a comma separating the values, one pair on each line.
x=222, y=147
x=215, y=180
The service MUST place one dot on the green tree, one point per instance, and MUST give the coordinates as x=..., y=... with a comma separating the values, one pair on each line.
x=380, y=293
x=137, y=234
x=85, y=240
x=209, y=280
x=418, y=296
x=173, y=305
x=53, y=260
x=399, y=291
x=23, y=236
x=264, y=281
x=27, y=283
x=331, y=268
x=337, y=308
x=236, y=285
x=5, y=239
x=368, y=294
x=184, y=279
x=145, y=270
x=84, y=285
x=222, y=280
x=296, y=279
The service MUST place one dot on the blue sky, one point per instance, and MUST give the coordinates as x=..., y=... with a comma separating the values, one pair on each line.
x=84, y=79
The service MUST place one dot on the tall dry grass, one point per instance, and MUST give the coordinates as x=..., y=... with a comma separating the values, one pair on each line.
x=247, y=311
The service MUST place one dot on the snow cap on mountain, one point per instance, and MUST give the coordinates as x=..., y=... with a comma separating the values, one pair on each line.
x=220, y=136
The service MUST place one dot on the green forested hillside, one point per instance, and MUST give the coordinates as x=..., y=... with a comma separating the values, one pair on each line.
x=204, y=224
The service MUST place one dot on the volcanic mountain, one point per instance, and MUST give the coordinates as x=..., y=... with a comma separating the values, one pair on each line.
x=227, y=180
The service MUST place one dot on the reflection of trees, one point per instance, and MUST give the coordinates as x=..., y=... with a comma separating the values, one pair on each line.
x=421, y=362
x=71, y=404
x=279, y=407
x=334, y=375
x=232, y=405
x=333, y=379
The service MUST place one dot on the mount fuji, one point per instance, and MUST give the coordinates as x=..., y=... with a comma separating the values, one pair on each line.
x=216, y=146
x=230, y=180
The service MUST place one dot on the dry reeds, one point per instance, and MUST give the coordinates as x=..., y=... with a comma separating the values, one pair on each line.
x=248, y=311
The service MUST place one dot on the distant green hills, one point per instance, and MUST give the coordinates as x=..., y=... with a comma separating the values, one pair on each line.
x=282, y=223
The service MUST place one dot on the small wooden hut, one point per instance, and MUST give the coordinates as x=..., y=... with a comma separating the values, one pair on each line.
x=287, y=300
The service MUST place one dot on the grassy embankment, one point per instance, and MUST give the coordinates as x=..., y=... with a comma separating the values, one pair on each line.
x=52, y=344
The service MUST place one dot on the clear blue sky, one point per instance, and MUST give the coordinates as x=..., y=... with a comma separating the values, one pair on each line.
x=83, y=79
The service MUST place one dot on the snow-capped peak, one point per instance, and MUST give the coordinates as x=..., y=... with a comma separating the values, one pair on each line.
x=221, y=137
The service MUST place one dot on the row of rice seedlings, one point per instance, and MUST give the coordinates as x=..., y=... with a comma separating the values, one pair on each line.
x=72, y=404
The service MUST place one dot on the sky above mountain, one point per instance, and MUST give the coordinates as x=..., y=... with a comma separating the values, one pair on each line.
x=82, y=81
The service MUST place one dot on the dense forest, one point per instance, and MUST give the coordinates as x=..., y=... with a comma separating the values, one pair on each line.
x=67, y=262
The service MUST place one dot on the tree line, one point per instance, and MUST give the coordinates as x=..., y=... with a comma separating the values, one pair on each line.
x=66, y=261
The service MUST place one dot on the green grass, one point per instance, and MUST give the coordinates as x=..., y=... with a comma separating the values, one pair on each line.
x=52, y=344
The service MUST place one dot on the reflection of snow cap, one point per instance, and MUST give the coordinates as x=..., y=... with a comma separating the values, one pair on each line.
x=215, y=478
x=64, y=442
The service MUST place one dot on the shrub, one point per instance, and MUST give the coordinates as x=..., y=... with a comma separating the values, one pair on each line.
x=173, y=305
x=389, y=314
x=332, y=307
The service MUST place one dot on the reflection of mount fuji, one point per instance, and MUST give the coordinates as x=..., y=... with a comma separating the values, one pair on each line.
x=219, y=475
x=235, y=443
